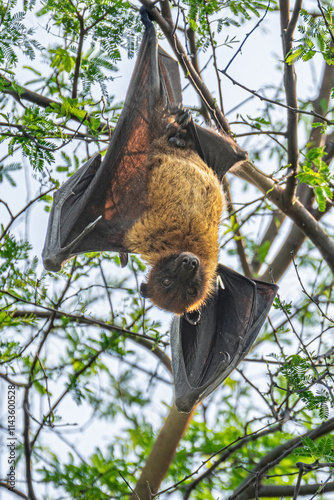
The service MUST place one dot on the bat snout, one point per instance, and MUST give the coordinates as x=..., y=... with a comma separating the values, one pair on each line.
x=189, y=263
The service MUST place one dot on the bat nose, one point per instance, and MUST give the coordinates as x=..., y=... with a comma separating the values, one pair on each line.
x=190, y=262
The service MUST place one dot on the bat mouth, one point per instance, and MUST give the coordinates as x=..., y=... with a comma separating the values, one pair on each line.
x=193, y=317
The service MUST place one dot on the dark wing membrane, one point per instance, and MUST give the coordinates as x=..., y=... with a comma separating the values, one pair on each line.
x=170, y=80
x=219, y=152
x=203, y=355
x=94, y=209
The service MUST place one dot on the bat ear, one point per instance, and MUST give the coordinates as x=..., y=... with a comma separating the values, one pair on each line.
x=144, y=292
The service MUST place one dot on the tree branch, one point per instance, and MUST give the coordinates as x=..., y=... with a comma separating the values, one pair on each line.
x=287, y=29
x=238, y=236
x=297, y=212
x=272, y=231
x=243, y=441
x=82, y=33
x=14, y=490
x=27, y=445
x=277, y=103
x=194, y=59
x=169, y=31
x=296, y=237
x=275, y=456
x=144, y=342
x=44, y=102
x=161, y=454
x=273, y=491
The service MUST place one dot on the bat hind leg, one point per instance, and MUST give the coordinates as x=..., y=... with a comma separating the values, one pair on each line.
x=145, y=17
x=178, y=128
x=183, y=129
x=182, y=117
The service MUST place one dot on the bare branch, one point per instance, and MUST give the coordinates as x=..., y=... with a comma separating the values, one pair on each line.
x=147, y=343
x=238, y=237
x=23, y=210
x=14, y=490
x=189, y=71
x=277, y=103
x=275, y=456
x=297, y=212
x=287, y=29
x=246, y=37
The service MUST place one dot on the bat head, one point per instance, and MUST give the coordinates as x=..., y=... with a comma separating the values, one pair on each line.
x=176, y=283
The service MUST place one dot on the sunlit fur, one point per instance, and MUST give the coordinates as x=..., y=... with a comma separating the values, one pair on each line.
x=184, y=205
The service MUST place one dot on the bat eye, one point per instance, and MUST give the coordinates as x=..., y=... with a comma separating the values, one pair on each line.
x=166, y=282
x=191, y=291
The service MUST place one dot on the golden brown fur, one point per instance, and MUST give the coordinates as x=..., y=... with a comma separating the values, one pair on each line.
x=184, y=206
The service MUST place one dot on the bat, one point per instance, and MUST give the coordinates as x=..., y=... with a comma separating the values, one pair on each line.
x=157, y=192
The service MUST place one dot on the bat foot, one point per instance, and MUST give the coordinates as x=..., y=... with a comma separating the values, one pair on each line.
x=145, y=17
x=182, y=116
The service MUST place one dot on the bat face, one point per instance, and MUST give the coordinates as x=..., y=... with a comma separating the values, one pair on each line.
x=177, y=283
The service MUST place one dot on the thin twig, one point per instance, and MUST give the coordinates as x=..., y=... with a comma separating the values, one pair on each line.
x=246, y=37
x=277, y=103
x=307, y=294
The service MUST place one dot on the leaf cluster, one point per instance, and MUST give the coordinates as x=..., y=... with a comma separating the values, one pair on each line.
x=323, y=450
x=315, y=173
x=14, y=35
x=301, y=376
x=316, y=38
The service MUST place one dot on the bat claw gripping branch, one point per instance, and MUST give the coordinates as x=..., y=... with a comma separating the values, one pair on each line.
x=145, y=17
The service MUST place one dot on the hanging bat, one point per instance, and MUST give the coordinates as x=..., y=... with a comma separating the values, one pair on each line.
x=157, y=193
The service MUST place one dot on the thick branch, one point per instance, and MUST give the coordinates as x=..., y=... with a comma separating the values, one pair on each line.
x=273, y=491
x=161, y=454
x=287, y=28
x=296, y=237
x=275, y=456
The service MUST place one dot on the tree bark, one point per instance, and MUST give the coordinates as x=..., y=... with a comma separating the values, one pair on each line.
x=161, y=455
